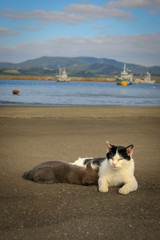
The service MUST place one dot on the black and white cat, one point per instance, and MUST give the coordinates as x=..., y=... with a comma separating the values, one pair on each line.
x=117, y=169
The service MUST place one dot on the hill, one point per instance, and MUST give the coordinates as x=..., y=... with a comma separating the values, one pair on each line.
x=76, y=66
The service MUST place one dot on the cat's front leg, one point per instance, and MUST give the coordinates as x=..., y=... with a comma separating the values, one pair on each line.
x=103, y=184
x=129, y=187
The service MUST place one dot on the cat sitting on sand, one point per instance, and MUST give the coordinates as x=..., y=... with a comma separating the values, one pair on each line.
x=117, y=169
x=62, y=172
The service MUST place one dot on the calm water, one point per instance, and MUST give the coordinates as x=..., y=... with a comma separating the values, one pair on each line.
x=78, y=93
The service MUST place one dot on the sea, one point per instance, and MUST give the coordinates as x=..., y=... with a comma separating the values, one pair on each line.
x=52, y=93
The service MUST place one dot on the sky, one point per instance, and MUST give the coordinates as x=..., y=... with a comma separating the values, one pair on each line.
x=124, y=30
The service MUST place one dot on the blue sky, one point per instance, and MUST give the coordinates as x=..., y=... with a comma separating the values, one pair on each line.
x=124, y=30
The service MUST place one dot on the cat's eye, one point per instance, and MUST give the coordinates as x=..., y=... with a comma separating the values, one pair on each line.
x=120, y=159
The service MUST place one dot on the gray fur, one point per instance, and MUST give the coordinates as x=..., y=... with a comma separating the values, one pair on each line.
x=62, y=172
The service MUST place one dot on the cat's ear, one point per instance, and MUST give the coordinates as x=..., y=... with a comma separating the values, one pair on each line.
x=108, y=146
x=129, y=149
x=89, y=167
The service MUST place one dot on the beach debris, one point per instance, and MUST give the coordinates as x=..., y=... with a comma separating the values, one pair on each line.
x=15, y=92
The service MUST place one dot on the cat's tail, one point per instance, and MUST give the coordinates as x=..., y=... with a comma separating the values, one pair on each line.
x=26, y=175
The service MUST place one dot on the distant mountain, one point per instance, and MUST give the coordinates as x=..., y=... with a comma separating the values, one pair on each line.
x=76, y=66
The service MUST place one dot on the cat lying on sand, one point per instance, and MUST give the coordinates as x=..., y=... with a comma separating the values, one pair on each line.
x=117, y=169
x=62, y=172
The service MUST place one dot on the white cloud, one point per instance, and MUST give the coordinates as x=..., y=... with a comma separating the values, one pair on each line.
x=31, y=28
x=139, y=49
x=45, y=16
x=156, y=12
x=80, y=13
x=100, y=27
x=97, y=12
x=7, y=32
x=134, y=4
x=73, y=14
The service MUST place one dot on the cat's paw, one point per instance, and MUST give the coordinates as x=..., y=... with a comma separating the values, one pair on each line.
x=123, y=191
x=103, y=189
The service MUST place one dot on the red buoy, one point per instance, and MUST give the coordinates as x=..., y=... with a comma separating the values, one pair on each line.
x=15, y=91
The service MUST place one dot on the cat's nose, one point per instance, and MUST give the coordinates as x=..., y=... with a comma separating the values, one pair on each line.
x=114, y=164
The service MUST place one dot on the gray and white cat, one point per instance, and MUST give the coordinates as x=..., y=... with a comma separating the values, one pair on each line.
x=62, y=172
x=117, y=169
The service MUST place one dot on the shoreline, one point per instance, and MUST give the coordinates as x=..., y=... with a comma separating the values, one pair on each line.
x=78, y=112
x=47, y=78
x=74, y=79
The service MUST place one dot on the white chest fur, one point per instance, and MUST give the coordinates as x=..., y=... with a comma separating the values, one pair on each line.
x=120, y=174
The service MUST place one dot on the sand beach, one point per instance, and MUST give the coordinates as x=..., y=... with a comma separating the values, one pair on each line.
x=31, y=211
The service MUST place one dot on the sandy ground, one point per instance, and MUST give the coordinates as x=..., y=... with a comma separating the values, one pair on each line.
x=31, y=211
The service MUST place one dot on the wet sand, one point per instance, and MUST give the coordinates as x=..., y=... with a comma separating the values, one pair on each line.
x=30, y=135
